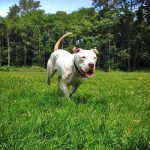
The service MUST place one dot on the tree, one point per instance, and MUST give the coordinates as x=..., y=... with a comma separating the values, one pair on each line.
x=27, y=6
x=128, y=22
x=119, y=29
x=14, y=11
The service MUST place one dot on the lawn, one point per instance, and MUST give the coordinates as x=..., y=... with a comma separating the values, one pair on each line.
x=110, y=111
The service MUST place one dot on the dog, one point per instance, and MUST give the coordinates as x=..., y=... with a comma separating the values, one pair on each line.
x=71, y=68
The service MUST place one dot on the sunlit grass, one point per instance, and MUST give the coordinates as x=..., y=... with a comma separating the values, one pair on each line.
x=109, y=111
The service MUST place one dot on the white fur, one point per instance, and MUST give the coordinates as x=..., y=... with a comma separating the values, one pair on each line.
x=69, y=77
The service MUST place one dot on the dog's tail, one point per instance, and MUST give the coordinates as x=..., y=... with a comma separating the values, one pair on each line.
x=58, y=42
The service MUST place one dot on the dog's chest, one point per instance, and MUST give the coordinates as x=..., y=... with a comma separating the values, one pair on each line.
x=75, y=78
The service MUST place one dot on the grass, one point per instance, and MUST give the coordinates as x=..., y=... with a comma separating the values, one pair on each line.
x=110, y=111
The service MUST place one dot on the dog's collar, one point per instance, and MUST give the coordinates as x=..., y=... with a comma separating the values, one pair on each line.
x=78, y=69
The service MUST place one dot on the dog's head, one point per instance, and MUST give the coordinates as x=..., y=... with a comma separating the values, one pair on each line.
x=85, y=61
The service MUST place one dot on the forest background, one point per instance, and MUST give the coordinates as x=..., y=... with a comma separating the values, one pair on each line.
x=120, y=29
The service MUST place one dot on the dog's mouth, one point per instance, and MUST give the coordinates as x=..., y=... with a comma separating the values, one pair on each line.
x=87, y=74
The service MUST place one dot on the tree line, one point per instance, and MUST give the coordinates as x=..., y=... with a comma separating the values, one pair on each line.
x=120, y=29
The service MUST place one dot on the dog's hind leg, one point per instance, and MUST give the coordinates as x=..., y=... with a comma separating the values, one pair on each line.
x=48, y=80
x=59, y=89
x=59, y=86
x=50, y=70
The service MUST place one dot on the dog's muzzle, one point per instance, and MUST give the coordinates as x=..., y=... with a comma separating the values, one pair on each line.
x=87, y=74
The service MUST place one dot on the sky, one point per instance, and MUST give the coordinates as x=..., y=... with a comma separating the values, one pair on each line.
x=50, y=6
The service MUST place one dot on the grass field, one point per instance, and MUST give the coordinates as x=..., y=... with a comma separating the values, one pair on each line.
x=110, y=111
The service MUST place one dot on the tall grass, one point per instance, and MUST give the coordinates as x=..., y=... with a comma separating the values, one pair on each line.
x=110, y=111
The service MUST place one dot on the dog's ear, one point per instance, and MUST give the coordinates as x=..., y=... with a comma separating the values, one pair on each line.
x=95, y=50
x=76, y=50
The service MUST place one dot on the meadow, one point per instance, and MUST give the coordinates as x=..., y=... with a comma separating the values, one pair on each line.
x=110, y=111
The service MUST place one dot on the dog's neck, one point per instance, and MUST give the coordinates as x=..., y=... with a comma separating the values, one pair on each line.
x=76, y=68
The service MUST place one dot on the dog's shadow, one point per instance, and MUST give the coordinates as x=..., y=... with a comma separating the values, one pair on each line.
x=80, y=99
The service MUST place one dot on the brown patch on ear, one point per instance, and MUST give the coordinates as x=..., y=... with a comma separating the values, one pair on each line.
x=95, y=50
x=76, y=50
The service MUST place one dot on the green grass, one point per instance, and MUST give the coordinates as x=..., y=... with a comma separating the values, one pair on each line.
x=110, y=111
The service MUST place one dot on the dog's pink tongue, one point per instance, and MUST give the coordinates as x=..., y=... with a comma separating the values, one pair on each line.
x=89, y=73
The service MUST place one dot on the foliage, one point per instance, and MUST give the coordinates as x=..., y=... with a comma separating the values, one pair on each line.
x=109, y=111
x=119, y=29
x=24, y=68
x=8, y=68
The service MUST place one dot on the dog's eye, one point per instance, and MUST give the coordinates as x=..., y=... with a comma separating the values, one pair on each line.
x=83, y=57
x=94, y=57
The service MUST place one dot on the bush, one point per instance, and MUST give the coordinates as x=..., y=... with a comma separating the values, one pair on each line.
x=8, y=68
x=28, y=68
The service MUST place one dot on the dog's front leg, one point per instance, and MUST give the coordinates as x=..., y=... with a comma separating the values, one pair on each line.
x=73, y=89
x=66, y=90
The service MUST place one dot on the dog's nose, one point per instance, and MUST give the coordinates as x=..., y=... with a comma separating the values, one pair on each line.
x=91, y=65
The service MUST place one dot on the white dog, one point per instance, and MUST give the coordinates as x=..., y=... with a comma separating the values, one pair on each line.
x=71, y=68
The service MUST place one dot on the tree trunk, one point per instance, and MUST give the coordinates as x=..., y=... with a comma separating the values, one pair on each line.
x=16, y=52
x=135, y=58
x=129, y=47
x=8, y=48
x=39, y=55
x=25, y=55
x=129, y=63
x=1, y=53
x=17, y=57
